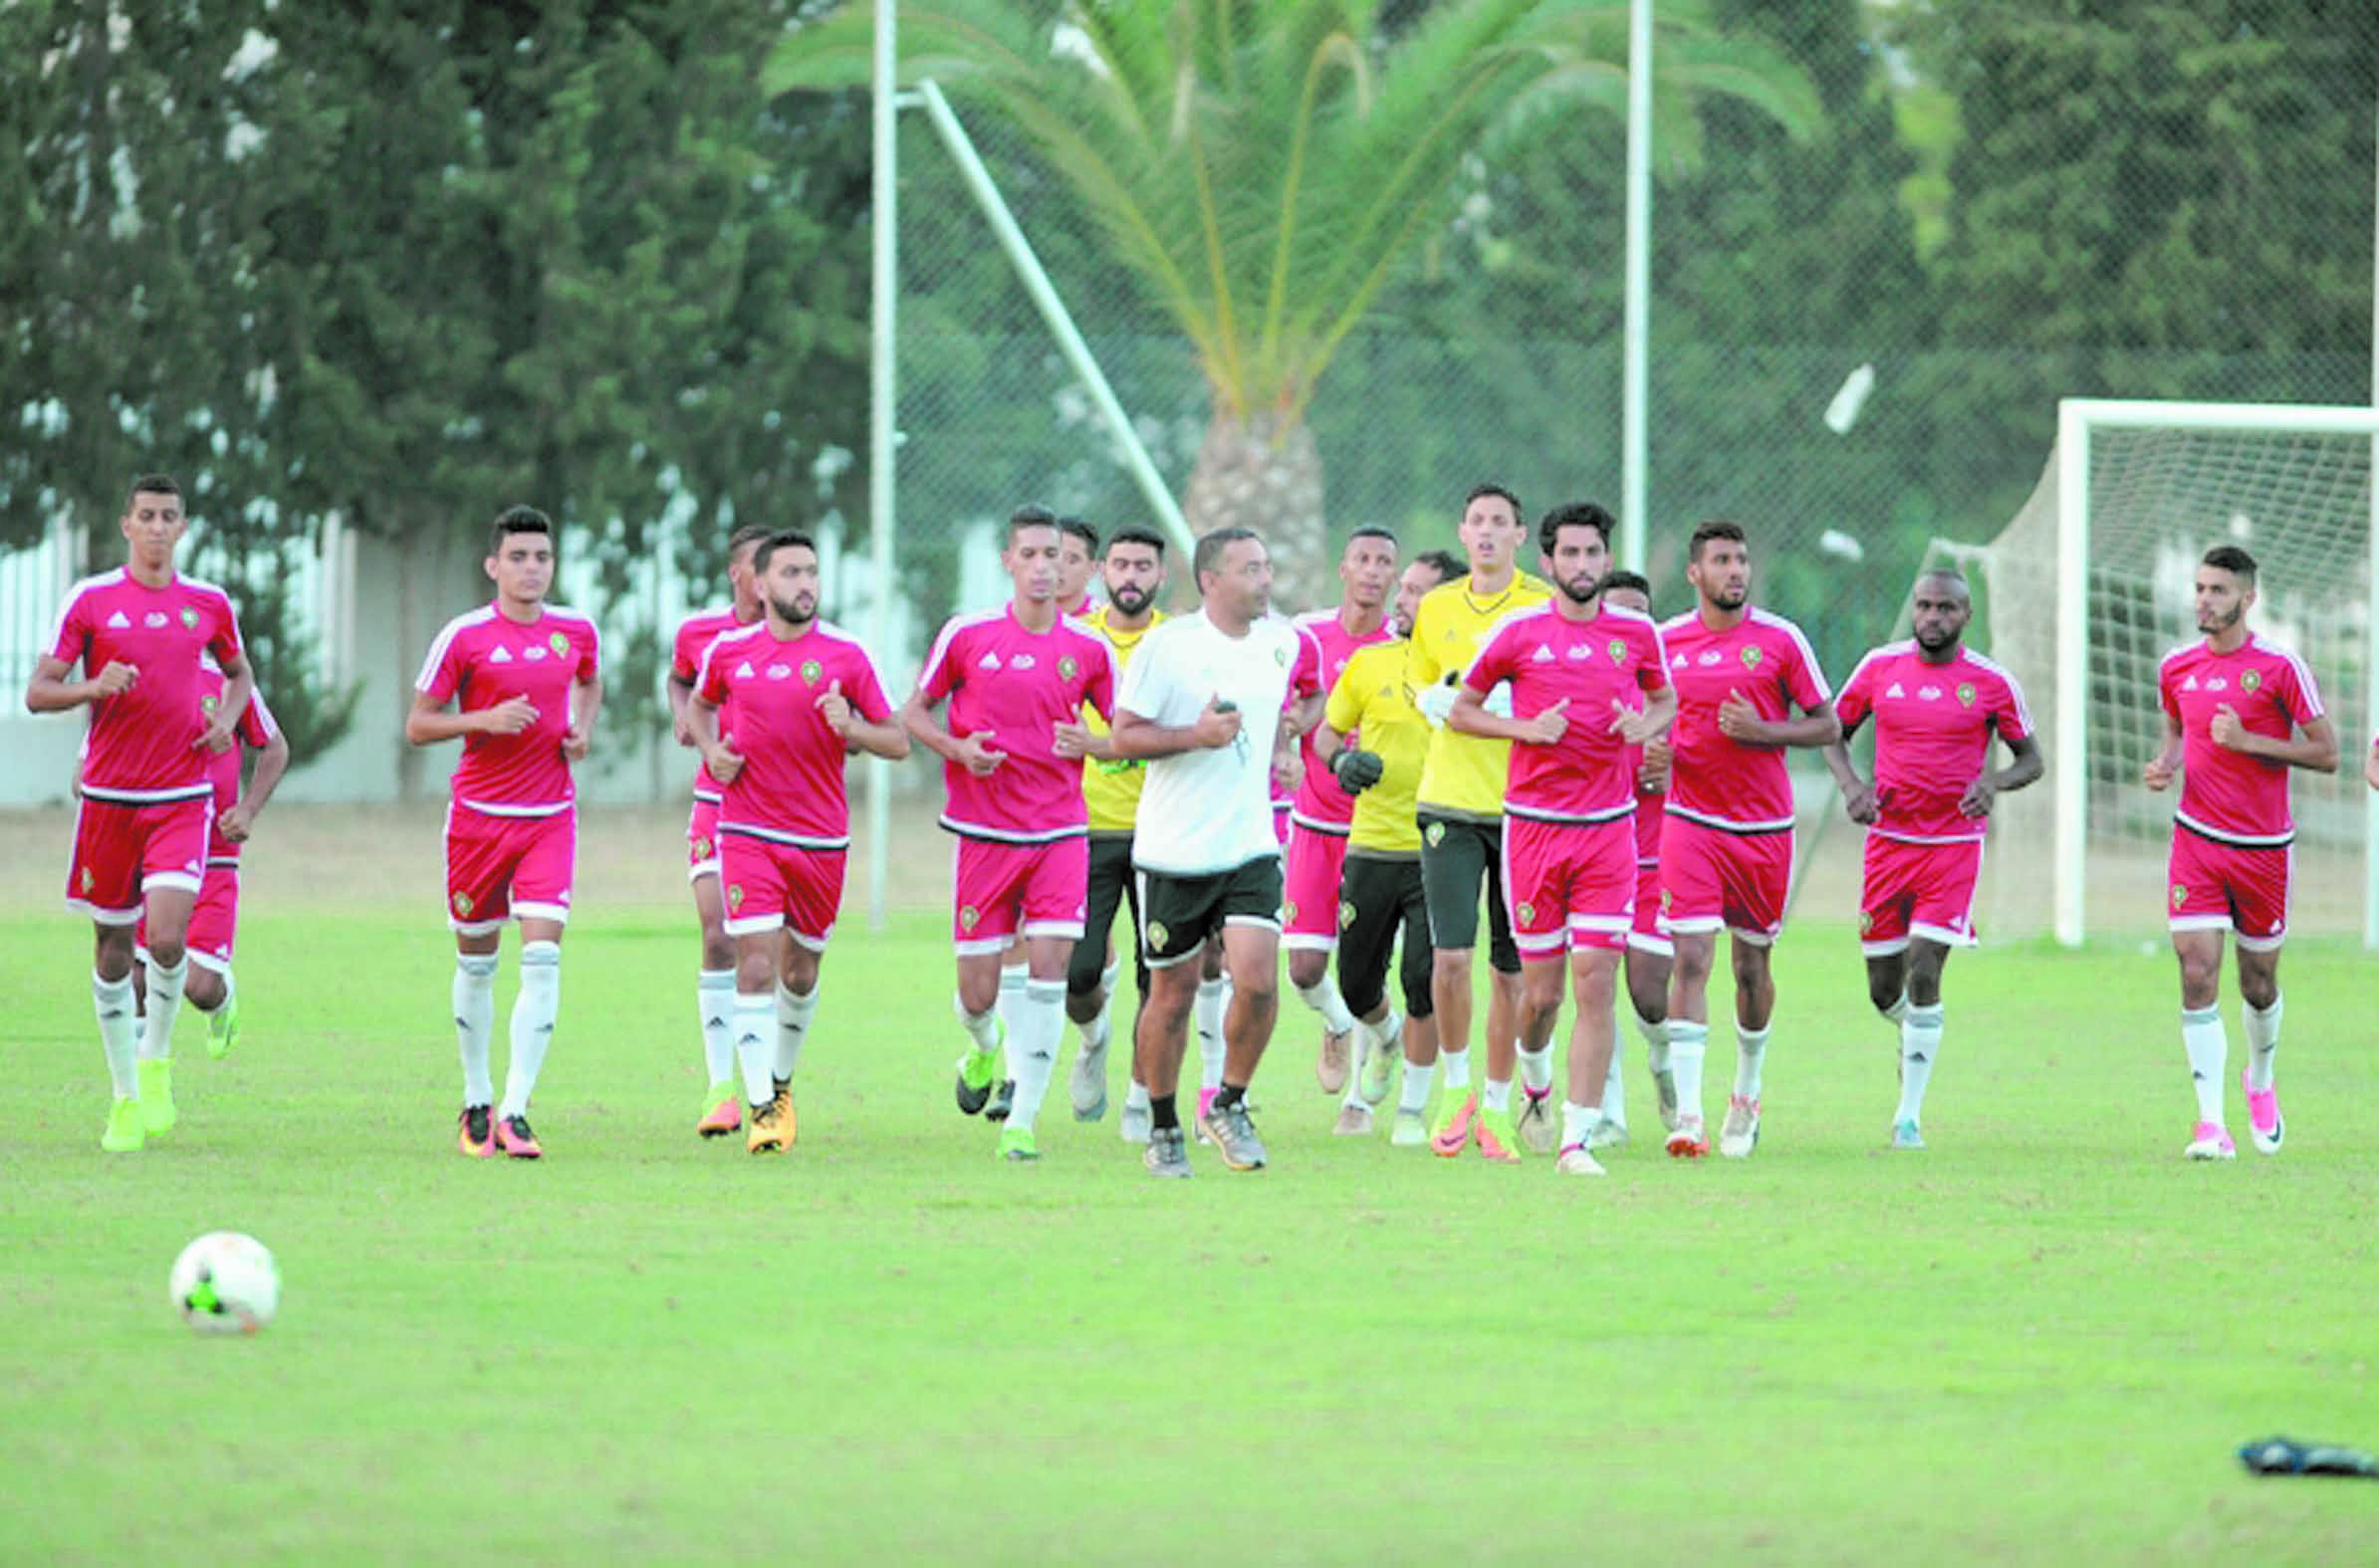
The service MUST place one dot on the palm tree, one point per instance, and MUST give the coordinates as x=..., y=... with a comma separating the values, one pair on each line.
x=1264, y=166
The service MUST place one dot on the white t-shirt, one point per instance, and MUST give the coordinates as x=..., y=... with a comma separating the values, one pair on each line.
x=1209, y=811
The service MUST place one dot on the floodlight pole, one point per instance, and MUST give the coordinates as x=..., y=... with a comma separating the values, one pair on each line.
x=2371, y=625
x=2068, y=760
x=884, y=283
x=1635, y=347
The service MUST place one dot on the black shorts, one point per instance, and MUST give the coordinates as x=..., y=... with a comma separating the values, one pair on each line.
x=1111, y=886
x=1178, y=913
x=1378, y=898
x=1457, y=853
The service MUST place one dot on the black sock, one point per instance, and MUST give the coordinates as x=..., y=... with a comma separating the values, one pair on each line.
x=1162, y=1114
x=1228, y=1096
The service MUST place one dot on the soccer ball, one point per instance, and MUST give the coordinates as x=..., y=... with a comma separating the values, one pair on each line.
x=225, y=1283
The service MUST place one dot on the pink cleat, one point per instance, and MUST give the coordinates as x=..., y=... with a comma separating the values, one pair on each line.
x=1205, y=1104
x=2265, y=1129
x=514, y=1138
x=2210, y=1142
x=1687, y=1140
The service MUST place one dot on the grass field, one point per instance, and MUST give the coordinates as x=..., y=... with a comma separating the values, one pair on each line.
x=2040, y=1340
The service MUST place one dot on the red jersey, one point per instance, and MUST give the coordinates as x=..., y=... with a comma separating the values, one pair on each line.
x=1583, y=776
x=483, y=659
x=143, y=743
x=1323, y=645
x=694, y=634
x=1714, y=780
x=790, y=788
x=255, y=729
x=2225, y=794
x=1933, y=729
x=1648, y=809
x=1014, y=688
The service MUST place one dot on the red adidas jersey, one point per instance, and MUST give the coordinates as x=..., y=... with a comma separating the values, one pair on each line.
x=255, y=729
x=143, y=743
x=1933, y=729
x=1716, y=780
x=790, y=788
x=1591, y=664
x=483, y=659
x=1014, y=687
x=694, y=634
x=1323, y=645
x=2226, y=794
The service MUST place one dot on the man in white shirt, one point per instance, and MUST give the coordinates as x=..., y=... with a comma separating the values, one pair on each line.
x=1201, y=702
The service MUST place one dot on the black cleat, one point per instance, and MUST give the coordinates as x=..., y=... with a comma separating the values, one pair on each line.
x=1002, y=1102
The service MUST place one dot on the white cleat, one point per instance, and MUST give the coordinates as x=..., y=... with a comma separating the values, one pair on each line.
x=1411, y=1130
x=1607, y=1134
x=2210, y=1141
x=1381, y=1047
x=1335, y=1060
x=1539, y=1127
x=1686, y=1140
x=1088, y=1085
x=1575, y=1161
x=1354, y=1121
x=1136, y=1123
x=1740, y=1133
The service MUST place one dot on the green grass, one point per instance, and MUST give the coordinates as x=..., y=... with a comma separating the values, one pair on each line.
x=2040, y=1340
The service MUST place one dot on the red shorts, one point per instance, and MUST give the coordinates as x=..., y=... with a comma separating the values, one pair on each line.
x=1001, y=891
x=508, y=868
x=1568, y=884
x=122, y=851
x=1918, y=891
x=1711, y=878
x=702, y=840
x=1643, y=932
x=215, y=919
x=771, y=884
x=2231, y=887
x=1310, y=907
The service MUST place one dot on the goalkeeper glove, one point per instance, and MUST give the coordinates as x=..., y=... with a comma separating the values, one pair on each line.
x=1357, y=770
x=1437, y=701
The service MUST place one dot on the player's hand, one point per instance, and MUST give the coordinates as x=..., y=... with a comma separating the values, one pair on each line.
x=1653, y=777
x=1861, y=804
x=1288, y=772
x=116, y=677
x=1631, y=725
x=1357, y=770
x=836, y=709
x=2158, y=775
x=723, y=760
x=1548, y=728
x=509, y=717
x=683, y=730
x=1071, y=741
x=575, y=740
x=2227, y=731
x=220, y=735
x=1435, y=702
x=1980, y=796
x=1740, y=721
x=977, y=757
x=237, y=823
x=1218, y=723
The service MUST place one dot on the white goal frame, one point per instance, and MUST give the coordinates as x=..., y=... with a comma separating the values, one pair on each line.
x=2078, y=419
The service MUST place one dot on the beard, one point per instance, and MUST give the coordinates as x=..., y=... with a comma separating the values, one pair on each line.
x=2215, y=620
x=1935, y=640
x=1730, y=598
x=1131, y=598
x=802, y=608
x=1579, y=590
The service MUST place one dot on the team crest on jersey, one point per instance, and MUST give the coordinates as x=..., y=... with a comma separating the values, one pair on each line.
x=1289, y=912
x=189, y=618
x=1751, y=658
x=1618, y=651
x=968, y=917
x=1527, y=914
x=1664, y=900
x=735, y=895
x=702, y=849
x=1966, y=694
x=1067, y=668
x=206, y=705
x=811, y=671
x=1345, y=915
x=1866, y=922
x=1157, y=933
x=462, y=905
x=559, y=642
x=87, y=879
x=2250, y=680
x=1436, y=834
x=2180, y=895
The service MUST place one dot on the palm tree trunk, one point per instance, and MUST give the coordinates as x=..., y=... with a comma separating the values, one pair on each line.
x=1255, y=473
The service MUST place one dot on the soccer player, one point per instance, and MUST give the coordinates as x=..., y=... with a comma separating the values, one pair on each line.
x=140, y=832
x=1935, y=706
x=1648, y=957
x=1587, y=682
x=1726, y=846
x=1133, y=570
x=1077, y=563
x=1462, y=840
x=1016, y=680
x=797, y=693
x=2233, y=707
x=1373, y=740
x=714, y=987
x=525, y=679
x=1323, y=810
x=1201, y=704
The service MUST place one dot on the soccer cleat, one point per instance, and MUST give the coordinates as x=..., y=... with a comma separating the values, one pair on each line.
x=1687, y=1140
x=976, y=1069
x=1016, y=1143
x=1607, y=1134
x=156, y=1095
x=1576, y=1161
x=126, y=1129
x=1457, y=1117
x=726, y=1113
x=1334, y=1062
x=514, y=1138
x=1906, y=1136
x=1136, y=1123
x=2210, y=1141
x=1003, y=1100
x=1664, y=1089
x=1354, y=1121
x=1497, y=1140
x=1411, y=1130
x=1167, y=1154
x=475, y=1131
x=1381, y=1046
x=1198, y=1122
x=223, y=1028
x=1234, y=1136
x=2265, y=1129
x=1740, y=1134
x=771, y=1128
x=1539, y=1127
x=1086, y=1087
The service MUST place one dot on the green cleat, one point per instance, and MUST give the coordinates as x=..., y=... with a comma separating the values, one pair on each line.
x=223, y=1028
x=1016, y=1143
x=125, y=1132
x=976, y=1070
x=156, y=1095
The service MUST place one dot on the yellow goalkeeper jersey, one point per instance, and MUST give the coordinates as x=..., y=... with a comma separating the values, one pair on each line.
x=1111, y=791
x=1373, y=702
x=1463, y=775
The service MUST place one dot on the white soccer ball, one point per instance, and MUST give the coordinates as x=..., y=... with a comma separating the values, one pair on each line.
x=226, y=1283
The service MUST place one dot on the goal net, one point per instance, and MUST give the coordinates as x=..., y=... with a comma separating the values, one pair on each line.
x=2091, y=584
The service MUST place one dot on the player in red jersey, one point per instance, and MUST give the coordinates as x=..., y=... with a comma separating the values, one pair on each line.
x=1016, y=679
x=1587, y=683
x=2233, y=707
x=148, y=803
x=1726, y=846
x=1649, y=954
x=526, y=679
x=777, y=707
x=1323, y=812
x=714, y=987
x=1077, y=564
x=1935, y=706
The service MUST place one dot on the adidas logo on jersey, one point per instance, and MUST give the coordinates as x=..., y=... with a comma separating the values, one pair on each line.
x=2190, y=684
x=1677, y=663
x=500, y=656
x=991, y=661
x=743, y=670
x=1543, y=655
x=1895, y=691
x=119, y=622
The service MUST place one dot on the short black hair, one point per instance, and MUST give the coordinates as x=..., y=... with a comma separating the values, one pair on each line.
x=1029, y=516
x=1444, y=563
x=747, y=533
x=1211, y=547
x=1134, y=534
x=1715, y=528
x=1379, y=530
x=1624, y=579
x=1490, y=487
x=1946, y=574
x=151, y=484
x=518, y=520
x=1082, y=530
x=781, y=539
x=1575, y=514
x=2231, y=559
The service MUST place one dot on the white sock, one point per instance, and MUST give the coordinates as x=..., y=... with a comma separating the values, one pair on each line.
x=1098, y=1030
x=2209, y=1053
x=794, y=1012
x=1577, y=1123
x=982, y=1027
x=1751, y=1055
x=1011, y=1006
x=2262, y=1041
x=1898, y=1011
x=1214, y=1000
x=1033, y=1048
x=1323, y=996
x=1108, y=979
x=1499, y=1095
x=714, y=989
x=1536, y=1070
x=1135, y=1099
x=475, y=1022
x=533, y=1013
x=1615, y=1094
x=756, y=1044
x=1418, y=1081
x=164, y=1003
x=231, y=993
x=1656, y=1043
x=1687, y=1042
x=1920, y=1045
x=1455, y=1068
x=120, y=1035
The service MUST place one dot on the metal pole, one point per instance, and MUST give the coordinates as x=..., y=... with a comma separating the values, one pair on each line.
x=1635, y=362
x=885, y=279
x=2370, y=631
x=1053, y=310
x=2068, y=760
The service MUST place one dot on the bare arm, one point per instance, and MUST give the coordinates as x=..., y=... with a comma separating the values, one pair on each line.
x=1470, y=715
x=51, y=692
x=1146, y=740
x=430, y=722
x=2024, y=766
x=1858, y=794
x=271, y=763
x=2158, y=775
x=885, y=738
x=2370, y=767
x=681, y=693
x=222, y=732
x=2313, y=749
